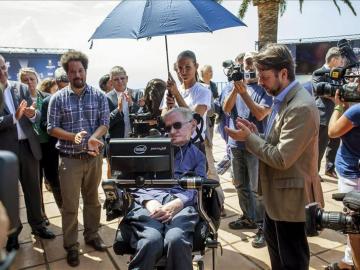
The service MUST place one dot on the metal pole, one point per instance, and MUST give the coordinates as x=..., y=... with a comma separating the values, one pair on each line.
x=167, y=54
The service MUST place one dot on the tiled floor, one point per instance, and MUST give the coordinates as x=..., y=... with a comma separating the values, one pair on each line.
x=238, y=253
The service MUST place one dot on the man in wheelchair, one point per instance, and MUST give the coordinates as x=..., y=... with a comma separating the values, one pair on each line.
x=162, y=221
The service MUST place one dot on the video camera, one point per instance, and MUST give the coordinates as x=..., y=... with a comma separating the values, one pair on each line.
x=235, y=72
x=143, y=125
x=347, y=222
x=348, y=92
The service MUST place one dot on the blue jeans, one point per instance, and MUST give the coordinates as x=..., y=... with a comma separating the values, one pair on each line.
x=245, y=179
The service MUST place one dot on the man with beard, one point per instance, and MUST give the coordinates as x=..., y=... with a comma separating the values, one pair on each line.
x=288, y=156
x=78, y=116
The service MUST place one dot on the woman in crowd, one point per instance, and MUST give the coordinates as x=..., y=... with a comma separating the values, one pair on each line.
x=345, y=123
x=191, y=94
x=30, y=77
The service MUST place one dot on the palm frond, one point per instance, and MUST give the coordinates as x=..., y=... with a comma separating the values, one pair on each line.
x=243, y=8
x=301, y=2
x=283, y=5
x=337, y=6
x=348, y=3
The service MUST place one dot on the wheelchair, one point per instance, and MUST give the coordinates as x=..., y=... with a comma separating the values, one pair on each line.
x=149, y=162
x=118, y=201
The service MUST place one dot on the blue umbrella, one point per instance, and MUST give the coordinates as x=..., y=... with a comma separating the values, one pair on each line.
x=149, y=18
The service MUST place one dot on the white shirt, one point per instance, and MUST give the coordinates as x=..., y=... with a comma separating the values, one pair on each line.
x=196, y=95
x=125, y=110
x=10, y=104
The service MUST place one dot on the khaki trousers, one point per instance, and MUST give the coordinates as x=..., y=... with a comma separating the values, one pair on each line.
x=80, y=176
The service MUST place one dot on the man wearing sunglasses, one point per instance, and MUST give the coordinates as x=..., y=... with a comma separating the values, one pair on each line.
x=164, y=219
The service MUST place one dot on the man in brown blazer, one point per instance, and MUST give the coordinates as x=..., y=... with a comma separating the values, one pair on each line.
x=288, y=157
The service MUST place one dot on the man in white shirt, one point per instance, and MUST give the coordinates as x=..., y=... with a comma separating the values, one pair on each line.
x=121, y=104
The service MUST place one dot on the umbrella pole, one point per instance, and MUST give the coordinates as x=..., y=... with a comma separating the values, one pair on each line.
x=167, y=54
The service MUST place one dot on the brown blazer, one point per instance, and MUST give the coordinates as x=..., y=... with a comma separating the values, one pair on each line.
x=288, y=158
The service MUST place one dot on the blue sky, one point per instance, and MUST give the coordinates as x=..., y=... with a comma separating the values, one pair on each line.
x=69, y=24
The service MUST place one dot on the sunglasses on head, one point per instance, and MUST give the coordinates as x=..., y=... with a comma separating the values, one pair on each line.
x=176, y=125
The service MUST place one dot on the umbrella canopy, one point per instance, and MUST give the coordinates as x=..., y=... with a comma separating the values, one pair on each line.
x=148, y=18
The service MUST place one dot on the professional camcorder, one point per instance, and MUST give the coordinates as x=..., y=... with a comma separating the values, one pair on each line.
x=235, y=72
x=348, y=91
x=144, y=125
x=347, y=222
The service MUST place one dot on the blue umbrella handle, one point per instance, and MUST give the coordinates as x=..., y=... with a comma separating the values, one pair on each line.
x=167, y=54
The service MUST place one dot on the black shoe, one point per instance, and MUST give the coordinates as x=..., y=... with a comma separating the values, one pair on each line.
x=44, y=233
x=72, y=258
x=97, y=244
x=242, y=223
x=12, y=243
x=259, y=240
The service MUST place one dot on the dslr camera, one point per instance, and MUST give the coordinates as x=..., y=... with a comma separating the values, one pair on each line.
x=347, y=222
x=348, y=91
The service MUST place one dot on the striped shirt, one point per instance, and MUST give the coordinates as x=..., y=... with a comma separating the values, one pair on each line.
x=75, y=113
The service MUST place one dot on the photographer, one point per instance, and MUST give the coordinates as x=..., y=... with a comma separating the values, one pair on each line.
x=325, y=105
x=249, y=101
x=287, y=156
x=345, y=123
x=165, y=219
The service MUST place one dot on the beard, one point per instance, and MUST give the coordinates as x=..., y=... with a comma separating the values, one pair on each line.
x=78, y=83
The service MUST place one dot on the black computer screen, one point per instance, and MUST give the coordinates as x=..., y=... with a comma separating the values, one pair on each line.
x=151, y=158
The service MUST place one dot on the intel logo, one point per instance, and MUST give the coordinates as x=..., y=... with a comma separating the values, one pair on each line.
x=140, y=149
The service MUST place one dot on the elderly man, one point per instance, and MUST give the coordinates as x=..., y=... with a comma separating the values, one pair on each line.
x=78, y=116
x=288, y=157
x=122, y=102
x=165, y=219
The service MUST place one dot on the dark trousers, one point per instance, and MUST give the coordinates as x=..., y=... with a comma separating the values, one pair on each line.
x=29, y=179
x=49, y=167
x=330, y=145
x=287, y=244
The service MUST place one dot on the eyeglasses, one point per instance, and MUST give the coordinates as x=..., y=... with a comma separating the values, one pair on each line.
x=176, y=125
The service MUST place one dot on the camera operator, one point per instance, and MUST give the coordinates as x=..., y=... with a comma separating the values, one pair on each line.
x=249, y=101
x=153, y=94
x=166, y=218
x=345, y=124
x=326, y=105
x=287, y=155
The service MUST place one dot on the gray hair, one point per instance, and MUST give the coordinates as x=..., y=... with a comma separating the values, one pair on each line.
x=186, y=113
x=116, y=70
x=332, y=53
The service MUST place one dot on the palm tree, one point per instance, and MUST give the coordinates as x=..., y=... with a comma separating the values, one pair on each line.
x=268, y=13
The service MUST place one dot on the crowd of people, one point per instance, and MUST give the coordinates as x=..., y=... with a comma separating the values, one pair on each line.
x=276, y=134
